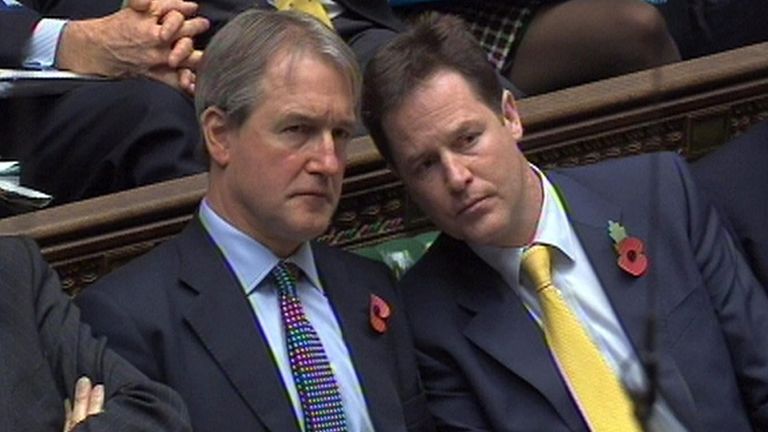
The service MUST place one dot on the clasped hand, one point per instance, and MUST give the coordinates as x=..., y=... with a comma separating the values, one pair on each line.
x=151, y=38
x=88, y=401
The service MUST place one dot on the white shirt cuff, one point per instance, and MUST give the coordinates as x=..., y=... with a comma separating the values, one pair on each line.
x=41, y=50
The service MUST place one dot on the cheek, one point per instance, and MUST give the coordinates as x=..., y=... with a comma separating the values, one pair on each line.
x=432, y=201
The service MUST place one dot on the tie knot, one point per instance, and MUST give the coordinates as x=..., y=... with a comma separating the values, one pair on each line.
x=537, y=264
x=286, y=274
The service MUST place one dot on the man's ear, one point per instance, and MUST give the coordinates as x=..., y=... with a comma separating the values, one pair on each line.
x=510, y=114
x=217, y=134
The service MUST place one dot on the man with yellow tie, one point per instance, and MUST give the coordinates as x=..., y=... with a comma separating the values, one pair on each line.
x=604, y=298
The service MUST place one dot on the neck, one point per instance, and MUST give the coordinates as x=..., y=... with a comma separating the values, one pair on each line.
x=530, y=211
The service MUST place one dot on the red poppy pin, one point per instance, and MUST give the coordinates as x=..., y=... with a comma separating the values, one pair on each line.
x=631, y=250
x=380, y=313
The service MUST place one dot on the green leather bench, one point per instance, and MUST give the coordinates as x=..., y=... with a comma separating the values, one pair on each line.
x=400, y=253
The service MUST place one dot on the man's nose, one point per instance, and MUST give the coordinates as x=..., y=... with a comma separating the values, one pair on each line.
x=457, y=174
x=327, y=156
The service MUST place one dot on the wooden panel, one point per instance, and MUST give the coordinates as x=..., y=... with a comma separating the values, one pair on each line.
x=689, y=107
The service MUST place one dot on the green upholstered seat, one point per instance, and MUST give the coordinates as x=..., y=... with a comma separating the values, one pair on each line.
x=400, y=253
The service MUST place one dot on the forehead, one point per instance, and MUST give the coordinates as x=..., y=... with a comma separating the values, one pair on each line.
x=290, y=69
x=437, y=107
x=445, y=93
x=303, y=80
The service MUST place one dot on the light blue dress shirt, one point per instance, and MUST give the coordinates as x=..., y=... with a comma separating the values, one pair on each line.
x=40, y=52
x=574, y=276
x=41, y=49
x=252, y=263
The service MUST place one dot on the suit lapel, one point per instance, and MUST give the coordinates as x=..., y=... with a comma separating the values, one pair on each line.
x=589, y=215
x=503, y=328
x=224, y=321
x=628, y=295
x=350, y=299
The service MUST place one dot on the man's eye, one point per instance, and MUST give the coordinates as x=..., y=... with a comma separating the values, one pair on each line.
x=423, y=167
x=297, y=129
x=342, y=135
x=468, y=140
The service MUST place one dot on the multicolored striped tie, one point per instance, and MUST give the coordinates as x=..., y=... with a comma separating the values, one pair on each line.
x=315, y=383
x=597, y=390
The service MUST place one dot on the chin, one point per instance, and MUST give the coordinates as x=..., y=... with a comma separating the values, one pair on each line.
x=311, y=229
x=485, y=236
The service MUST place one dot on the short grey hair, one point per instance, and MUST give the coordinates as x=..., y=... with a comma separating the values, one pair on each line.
x=235, y=62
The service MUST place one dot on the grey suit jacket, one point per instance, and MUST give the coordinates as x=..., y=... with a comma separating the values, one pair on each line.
x=485, y=363
x=44, y=348
x=180, y=315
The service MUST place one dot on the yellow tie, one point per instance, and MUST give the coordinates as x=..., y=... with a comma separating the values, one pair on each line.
x=593, y=384
x=312, y=7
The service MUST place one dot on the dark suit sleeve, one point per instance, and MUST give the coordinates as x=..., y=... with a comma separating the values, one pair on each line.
x=133, y=402
x=367, y=26
x=16, y=26
x=739, y=301
x=17, y=23
x=736, y=179
x=451, y=401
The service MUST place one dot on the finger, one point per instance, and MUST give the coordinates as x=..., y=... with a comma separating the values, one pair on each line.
x=182, y=49
x=139, y=5
x=67, y=415
x=187, y=8
x=192, y=60
x=187, y=81
x=82, y=396
x=193, y=27
x=159, y=8
x=165, y=75
x=96, y=402
x=170, y=24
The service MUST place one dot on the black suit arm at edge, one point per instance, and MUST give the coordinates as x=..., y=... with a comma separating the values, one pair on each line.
x=16, y=27
x=133, y=402
x=739, y=300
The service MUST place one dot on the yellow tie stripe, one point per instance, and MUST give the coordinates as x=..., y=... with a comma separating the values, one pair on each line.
x=312, y=7
x=602, y=399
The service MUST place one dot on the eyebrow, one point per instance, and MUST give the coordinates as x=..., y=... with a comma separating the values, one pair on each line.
x=412, y=160
x=347, y=123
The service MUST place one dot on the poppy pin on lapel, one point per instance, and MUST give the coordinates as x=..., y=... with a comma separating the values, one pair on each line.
x=631, y=250
x=379, y=313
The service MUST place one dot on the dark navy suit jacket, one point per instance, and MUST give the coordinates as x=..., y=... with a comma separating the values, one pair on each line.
x=365, y=25
x=180, y=315
x=45, y=348
x=485, y=363
x=736, y=178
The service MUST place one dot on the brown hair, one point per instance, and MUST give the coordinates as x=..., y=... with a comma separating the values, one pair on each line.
x=434, y=43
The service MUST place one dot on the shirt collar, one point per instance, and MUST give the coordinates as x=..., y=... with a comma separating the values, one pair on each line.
x=250, y=260
x=553, y=229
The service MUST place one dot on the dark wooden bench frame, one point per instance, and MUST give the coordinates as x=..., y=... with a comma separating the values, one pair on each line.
x=690, y=107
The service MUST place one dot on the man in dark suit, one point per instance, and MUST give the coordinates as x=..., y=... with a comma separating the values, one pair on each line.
x=736, y=178
x=636, y=313
x=45, y=349
x=364, y=24
x=206, y=312
x=96, y=137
